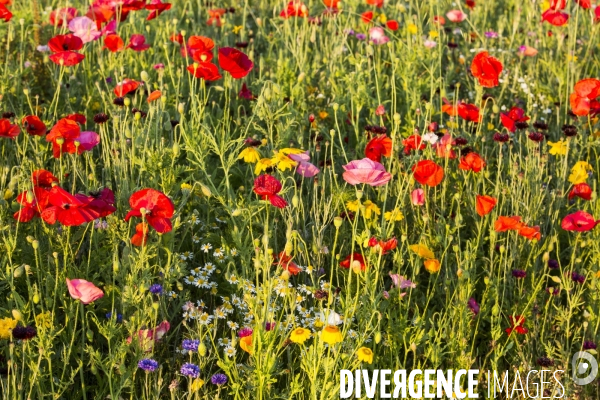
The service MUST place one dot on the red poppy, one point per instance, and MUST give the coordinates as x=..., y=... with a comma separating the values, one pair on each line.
x=235, y=62
x=579, y=221
x=471, y=162
x=67, y=58
x=65, y=130
x=79, y=118
x=517, y=324
x=583, y=98
x=68, y=42
x=486, y=69
x=504, y=224
x=331, y=3
x=205, y=70
x=510, y=119
x=556, y=18
x=113, y=43
x=176, y=38
x=530, y=232
x=214, y=16
x=43, y=178
x=101, y=13
x=156, y=7
x=376, y=3
x=140, y=237
x=5, y=13
x=581, y=190
x=597, y=14
x=33, y=202
x=469, y=112
x=294, y=8
x=367, y=17
x=200, y=48
x=378, y=147
x=267, y=187
x=383, y=245
x=470, y=4
x=392, y=25
x=413, y=142
x=102, y=202
x=558, y=4
x=154, y=206
x=137, y=42
x=427, y=172
x=62, y=16
x=125, y=87
x=246, y=93
x=34, y=126
x=8, y=130
x=357, y=259
x=484, y=204
x=286, y=263
x=67, y=209
x=585, y=4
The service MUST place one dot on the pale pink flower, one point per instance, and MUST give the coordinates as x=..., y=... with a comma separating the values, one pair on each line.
x=304, y=168
x=527, y=51
x=456, y=16
x=380, y=110
x=417, y=197
x=366, y=171
x=147, y=337
x=84, y=291
x=377, y=35
x=85, y=29
x=430, y=44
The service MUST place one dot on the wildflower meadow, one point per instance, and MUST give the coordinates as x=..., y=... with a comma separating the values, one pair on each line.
x=240, y=199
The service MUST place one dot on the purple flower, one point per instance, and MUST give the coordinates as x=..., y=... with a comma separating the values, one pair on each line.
x=491, y=35
x=473, y=306
x=190, y=345
x=577, y=277
x=360, y=36
x=554, y=291
x=245, y=332
x=519, y=273
x=148, y=364
x=24, y=332
x=219, y=379
x=400, y=282
x=589, y=345
x=191, y=370
x=156, y=288
x=348, y=32
x=269, y=326
x=553, y=264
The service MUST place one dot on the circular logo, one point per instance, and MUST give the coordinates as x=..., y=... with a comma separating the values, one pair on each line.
x=585, y=368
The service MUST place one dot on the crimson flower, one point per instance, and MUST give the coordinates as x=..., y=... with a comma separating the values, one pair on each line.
x=583, y=99
x=32, y=202
x=156, y=7
x=581, y=190
x=383, y=245
x=512, y=118
x=68, y=42
x=235, y=62
x=79, y=118
x=67, y=209
x=413, y=142
x=200, y=48
x=126, y=87
x=137, y=42
x=517, y=324
x=556, y=18
x=102, y=202
x=5, y=13
x=486, y=69
x=354, y=261
x=34, y=125
x=294, y=8
x=204, y=70
x=267, y=187
x=154, y=206
x=579, y=221
x=43, y=178
x=66, y=137
x=8, y=130
x=378, y=147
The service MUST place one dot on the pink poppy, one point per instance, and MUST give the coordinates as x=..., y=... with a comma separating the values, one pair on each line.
x=579, y=221
x=137, y=42
x=377, y=35
x=366, y=171
x=84, y=291
x=456, y=16
x=147, y=337
x=85, y=29
x=417, y=197
x=305, y=167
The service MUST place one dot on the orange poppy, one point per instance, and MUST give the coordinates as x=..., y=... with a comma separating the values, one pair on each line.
x=471, y=162
x=246, y=344
x=504, y=224
x=530, y=232
x=427, y=172
x=154, y=96
x=484, y=204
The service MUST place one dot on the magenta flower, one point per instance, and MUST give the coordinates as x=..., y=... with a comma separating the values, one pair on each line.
x=305, y=168
x=366, y=171
x=417, y=197
x=85, y=29
x=88, y=140
x=579, y=221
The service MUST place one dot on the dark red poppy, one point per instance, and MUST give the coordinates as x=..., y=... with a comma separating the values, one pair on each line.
x=268, y=187
x=469, y=112
x=62, y=16
x=32, y=202
x=294, y=8
x=470, y=4
x=79, y=118
x=43, y=178
x=207, y=71
x=5, y=13
x=510, y=119
x=486, y=69
x=235, y=62
x=154, y=206
x=8, y=130
x=68, y=42
x=556, y=18
x=245, y=93
x=581, y=190
x=427, y=172
x=113, y=43
x=413, y=142
x=140, y=237
x=379, y=146
x=285, y=261
x=34, y=126
x=597, y=14
x=102, y=202
x=354, y=258
x=157, y=7
x=67, y=209
x=200, y=48
x=517, y=324
x=471, y=162
x=137, y=42
x=126, y=87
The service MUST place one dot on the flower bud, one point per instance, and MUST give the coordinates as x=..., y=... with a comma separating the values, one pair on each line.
x=17, y=315
x=144, y=76
x=337, y=222
x=18, y=272
x=202, y=349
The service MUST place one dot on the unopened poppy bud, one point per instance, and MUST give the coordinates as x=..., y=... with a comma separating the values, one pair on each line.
x=236, y=213
x=486, y=280
x=202, y=349
x=495, y=310
x=90, y=335
x=155, y=305
x=127, y=102
x=26, y=92
x=295, y=201
x=413, y=347
x=36, y=298
x=55, y=254
x=176, y=149
x=495, y=109
x=35, y=244
x=17, y=315
x=163, y=99
x=144, y=76
x=137, y=116
x=289, y=247
x=336, y=106
x=377, y=337
x=285, y=275
x=205, y=190
x=459, y=272
x=116, y=265
x=359, y=194
x=311, y=118
x=502, y=249
x=338, y=221
x=258, y=22
x=301, y=77
x=18, y=272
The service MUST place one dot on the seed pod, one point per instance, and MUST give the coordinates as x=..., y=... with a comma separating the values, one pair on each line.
x=18, y=272
x=36, y=298
x=202, y=349
x=377, y=337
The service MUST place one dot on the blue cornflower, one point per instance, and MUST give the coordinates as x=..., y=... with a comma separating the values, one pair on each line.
x=148, y=364
x=219, y=379
x=156, y=288
x=190, y=345
x=119, y=316
x=191, y=370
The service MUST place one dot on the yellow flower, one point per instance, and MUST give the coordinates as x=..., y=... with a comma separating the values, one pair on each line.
x=323, y=114
x=558, y=148
x=291, y=150
x=412, y=28
x=6, y=327
x=422, y=251
x=579, y=172
x=299, y=335
x=331, y=335
x=432, y=266
x=237, y=29
x=382, y=18
x=394, y=215
x=434, y=34
x=196, y=385
x=353, y=205
x=246, y=344
x=250, y=155
x=262, y=165
x=365, y=354
x=283, y=162
x=370, y=209
x=44, y=320
x=186, y=187
x=490, y=126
